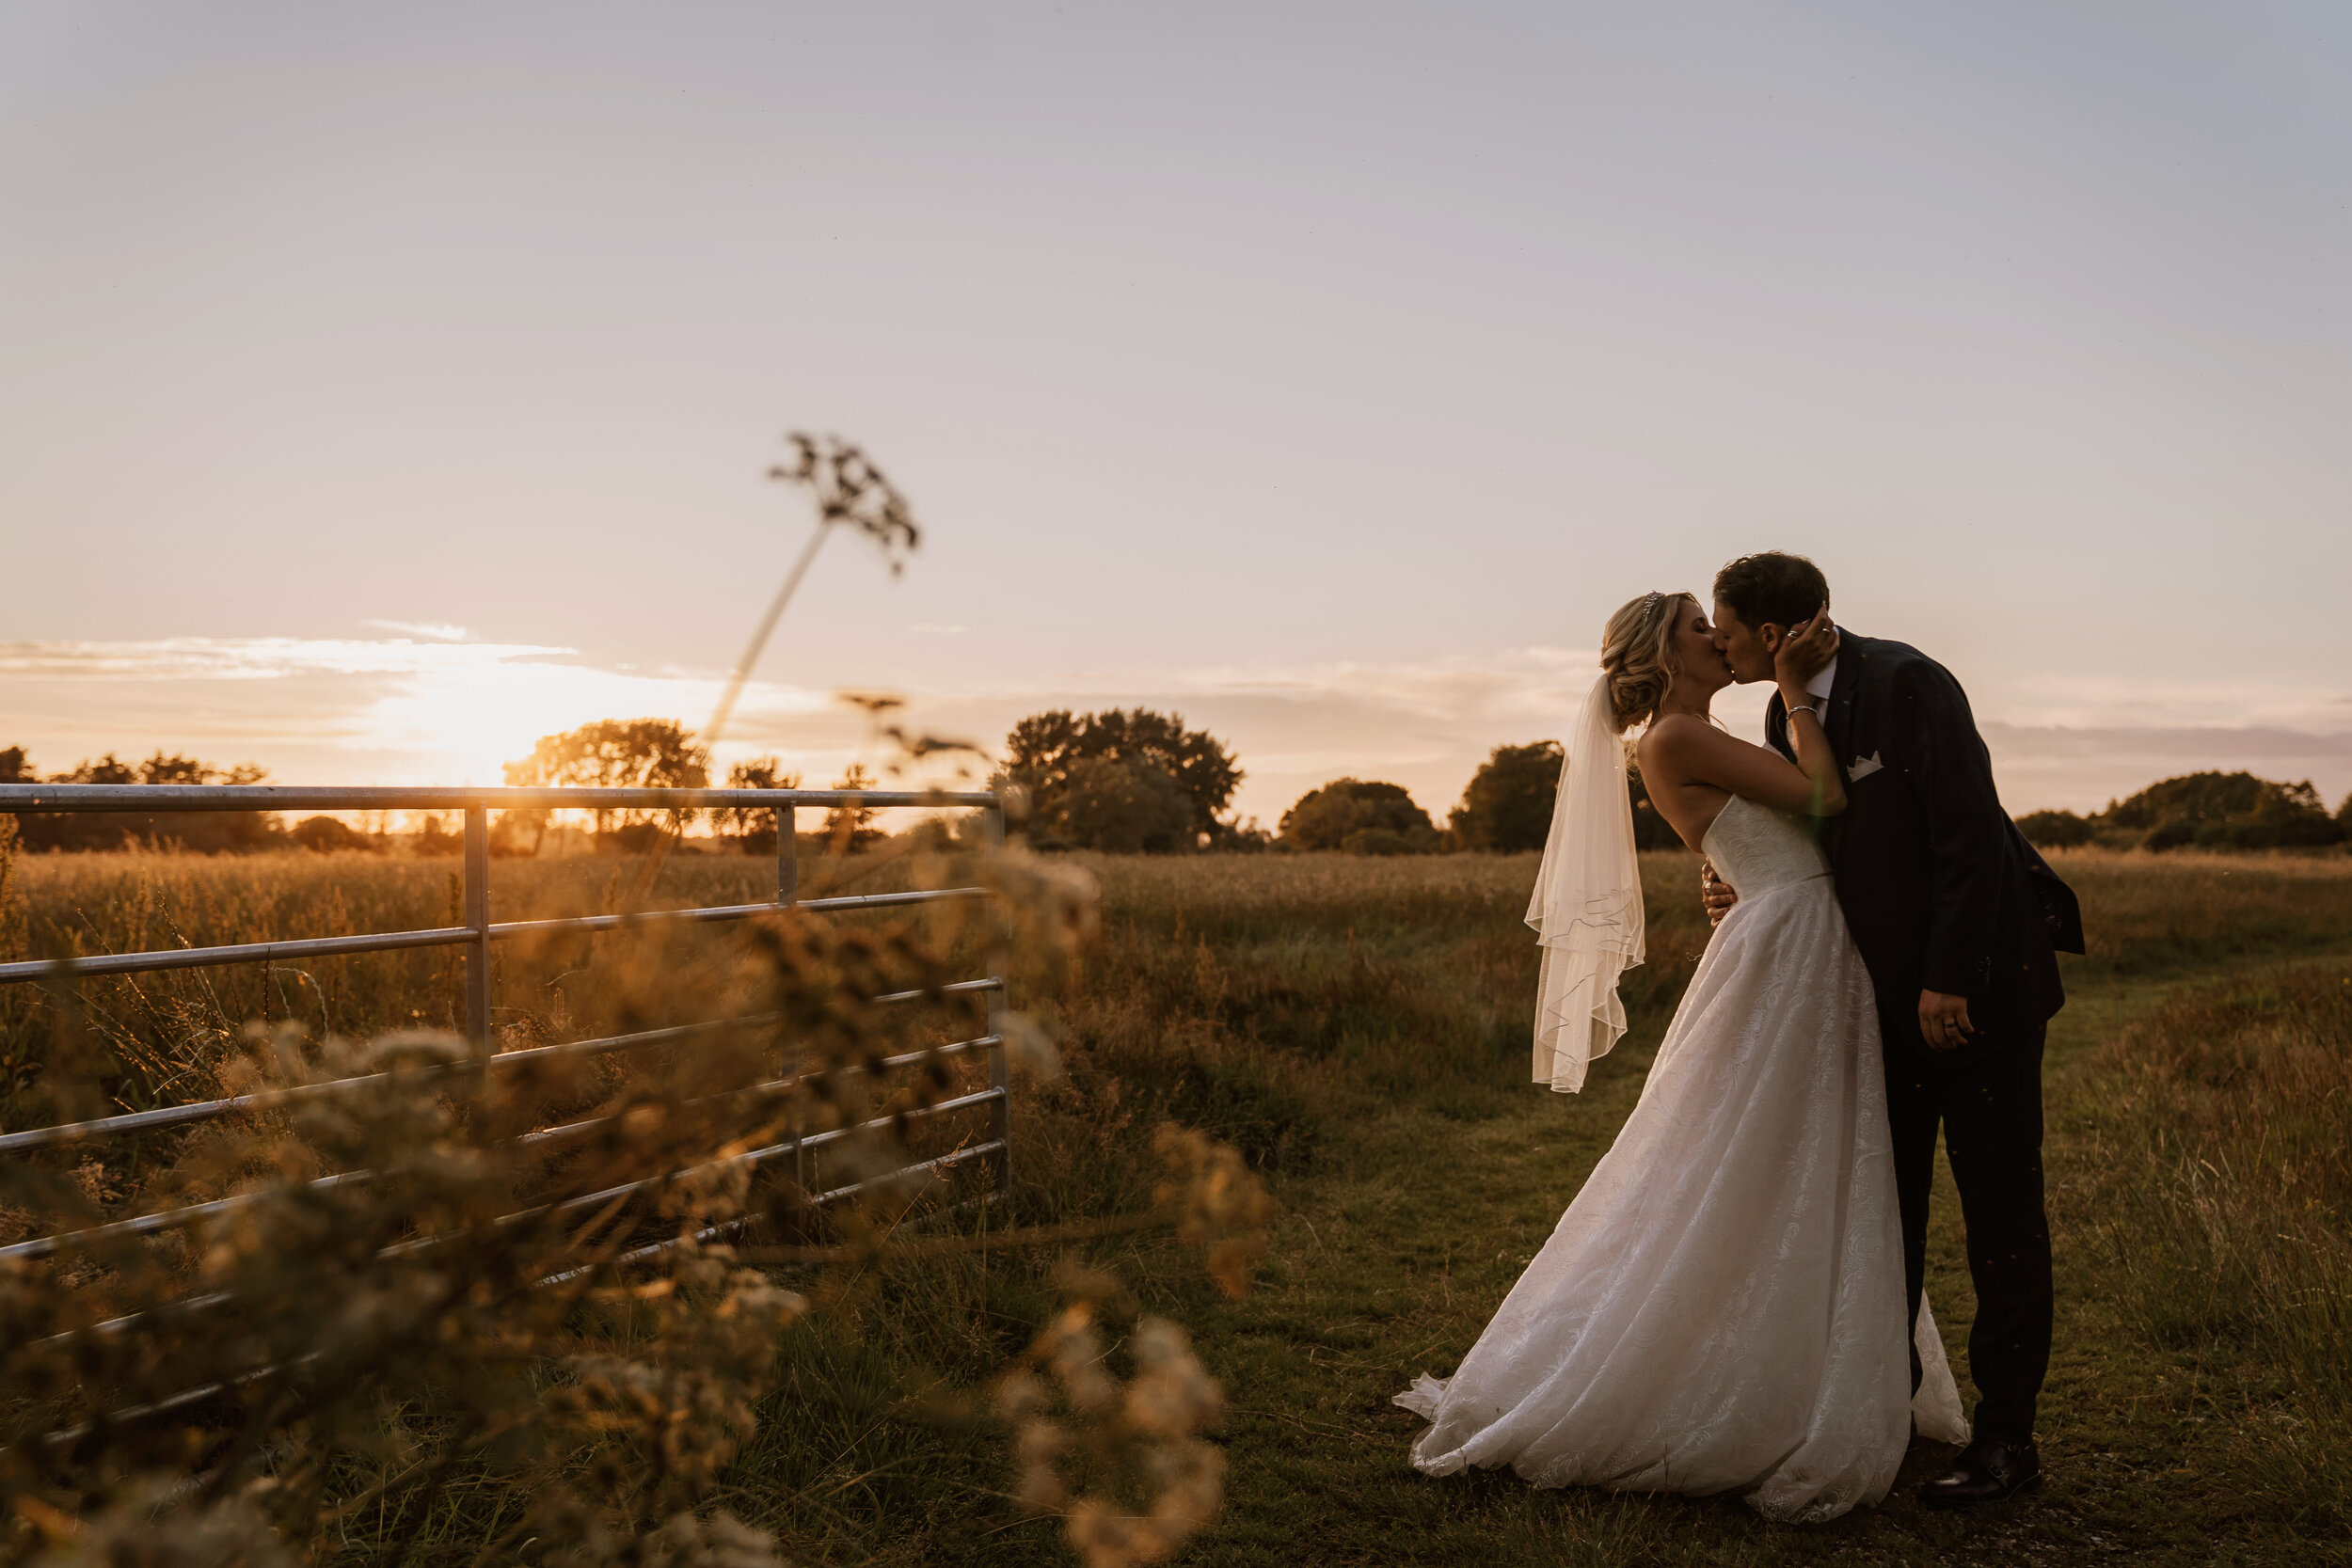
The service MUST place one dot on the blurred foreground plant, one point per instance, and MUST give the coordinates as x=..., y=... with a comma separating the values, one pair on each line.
x=1132, y=1451
x=400, y=1309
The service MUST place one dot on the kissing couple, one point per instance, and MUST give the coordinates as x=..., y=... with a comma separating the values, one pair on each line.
x=1733, y=1300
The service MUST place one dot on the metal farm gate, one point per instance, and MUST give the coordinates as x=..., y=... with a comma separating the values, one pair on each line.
x=477, y=936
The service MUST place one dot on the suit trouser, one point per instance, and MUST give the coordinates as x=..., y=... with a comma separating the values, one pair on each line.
x=1990, y=1110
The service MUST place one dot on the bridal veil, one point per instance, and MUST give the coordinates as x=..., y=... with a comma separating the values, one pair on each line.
x=1588, y=908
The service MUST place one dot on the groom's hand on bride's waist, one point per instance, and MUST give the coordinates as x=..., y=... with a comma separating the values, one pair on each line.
x=1716, y=893
x=1943, y=1020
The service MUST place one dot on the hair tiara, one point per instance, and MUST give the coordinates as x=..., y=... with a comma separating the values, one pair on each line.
x=1650, y=603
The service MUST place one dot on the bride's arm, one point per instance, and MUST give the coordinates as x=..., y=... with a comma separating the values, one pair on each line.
x=1701, y=753
x=1802, y=653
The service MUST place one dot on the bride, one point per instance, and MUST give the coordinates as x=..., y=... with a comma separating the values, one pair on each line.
x=1721, y=1309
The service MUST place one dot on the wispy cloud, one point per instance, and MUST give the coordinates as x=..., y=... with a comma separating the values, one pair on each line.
x=2096, y=701
x=219, y=658
x=439, y=631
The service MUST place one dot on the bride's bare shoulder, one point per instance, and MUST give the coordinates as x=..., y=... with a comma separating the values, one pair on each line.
x=1670, y=734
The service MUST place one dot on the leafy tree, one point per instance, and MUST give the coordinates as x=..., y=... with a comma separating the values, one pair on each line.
x=1651, y=831
x=753, y=828
x=1507, y=804
x=203, y=831
x=845, y=827
x=2056, y=830
x=518, y=835
x=1244, y=837
x=2221, y=810
x=1045, y=747
x=161, y=770
x=618, y=753
x=1361, y=816
x=325, y=833
x=1121, y=805
x=107, y=769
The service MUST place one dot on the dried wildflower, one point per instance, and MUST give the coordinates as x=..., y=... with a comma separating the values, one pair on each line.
x=1221, y=1205
x=1051, y=908
x=1030, y=1045
x=90, y=1176
x=230, y=1532
x=1140, y=1440
x=1171, y=1393
x=719, y=1542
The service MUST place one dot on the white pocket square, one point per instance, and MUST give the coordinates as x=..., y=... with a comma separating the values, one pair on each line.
x=1864, y=767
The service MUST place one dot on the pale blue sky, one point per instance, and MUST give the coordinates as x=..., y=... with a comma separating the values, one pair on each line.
x=1328, y=372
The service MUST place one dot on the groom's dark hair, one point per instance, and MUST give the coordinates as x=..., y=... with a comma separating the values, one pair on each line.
x=1785, y=590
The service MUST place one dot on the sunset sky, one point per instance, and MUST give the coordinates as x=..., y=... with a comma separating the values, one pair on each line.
x=384, y=386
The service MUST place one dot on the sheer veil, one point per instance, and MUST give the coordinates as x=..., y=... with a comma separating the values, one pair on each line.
x=1587, y=909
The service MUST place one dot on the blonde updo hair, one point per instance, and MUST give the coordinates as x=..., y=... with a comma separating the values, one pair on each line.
x=1638, y=653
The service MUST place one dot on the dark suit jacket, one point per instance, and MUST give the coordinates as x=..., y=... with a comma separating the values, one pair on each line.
x=1940, y=889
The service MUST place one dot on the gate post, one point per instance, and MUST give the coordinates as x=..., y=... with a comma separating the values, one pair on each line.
x=788, y=855
x=478, y=921
x=999, y=1064
x=788, y=894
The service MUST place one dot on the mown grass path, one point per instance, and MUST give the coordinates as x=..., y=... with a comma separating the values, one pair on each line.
x=1401, y=1241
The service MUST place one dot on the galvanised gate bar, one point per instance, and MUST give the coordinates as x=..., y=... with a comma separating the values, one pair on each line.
x=477, y=935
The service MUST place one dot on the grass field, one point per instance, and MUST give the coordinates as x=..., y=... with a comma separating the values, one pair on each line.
x=1359, y=1028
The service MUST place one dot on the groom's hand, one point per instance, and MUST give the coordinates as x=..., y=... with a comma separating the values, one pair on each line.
x=1716, y=893
x=1943, y=1020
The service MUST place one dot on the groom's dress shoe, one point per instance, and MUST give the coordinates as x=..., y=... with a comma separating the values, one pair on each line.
x=1987, y=1470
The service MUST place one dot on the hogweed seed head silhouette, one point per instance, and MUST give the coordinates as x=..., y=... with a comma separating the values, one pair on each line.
x=850, y=488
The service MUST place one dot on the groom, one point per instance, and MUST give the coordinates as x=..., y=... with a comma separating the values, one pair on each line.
x=1959, y=921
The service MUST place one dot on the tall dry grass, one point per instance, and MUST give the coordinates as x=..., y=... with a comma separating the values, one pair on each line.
x=1304, y=1011
x=1271, y=1000
x=2223, y=1140
x=165, y=1028
x=2156, y=915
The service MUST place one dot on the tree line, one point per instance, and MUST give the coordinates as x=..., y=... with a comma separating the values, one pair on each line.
x=1129, y=780
x=2202, y=810
x=1506, y=809
x=210, y=832
x=1137, y=780
x=654, y=753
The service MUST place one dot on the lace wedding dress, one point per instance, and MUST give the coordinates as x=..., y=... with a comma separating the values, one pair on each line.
x=1721, y=1309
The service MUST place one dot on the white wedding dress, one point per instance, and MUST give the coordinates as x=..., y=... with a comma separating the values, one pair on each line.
x=1721, y=1309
